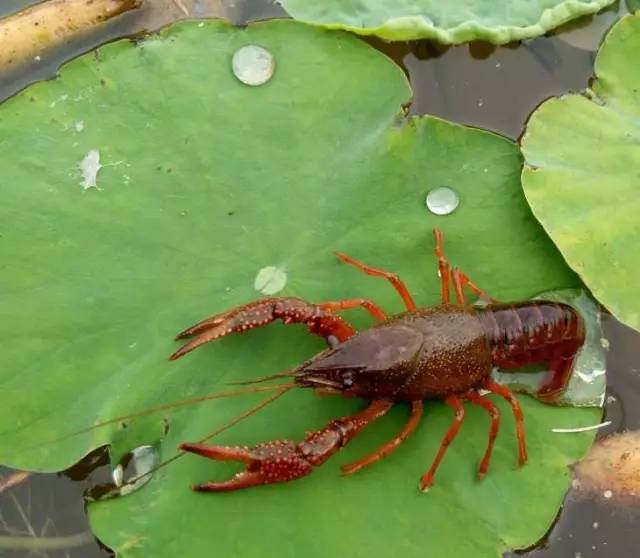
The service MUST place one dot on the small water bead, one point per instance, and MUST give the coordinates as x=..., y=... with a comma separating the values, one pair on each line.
x=442, y=201
x=253, y=64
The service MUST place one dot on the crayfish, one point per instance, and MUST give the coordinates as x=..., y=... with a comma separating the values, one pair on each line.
x=444, y=352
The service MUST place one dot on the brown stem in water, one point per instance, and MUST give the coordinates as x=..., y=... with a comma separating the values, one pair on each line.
x=45, y=543
x=13, y=480
x=28, y=33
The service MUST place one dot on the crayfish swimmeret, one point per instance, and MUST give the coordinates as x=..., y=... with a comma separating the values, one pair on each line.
x=446, y=352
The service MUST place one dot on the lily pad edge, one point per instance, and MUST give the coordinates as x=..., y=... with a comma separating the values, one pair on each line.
x=590, y=93
x=421, y=27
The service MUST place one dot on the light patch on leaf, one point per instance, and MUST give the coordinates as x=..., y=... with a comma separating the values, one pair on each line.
x=89, y=167
x=79, y=126
x=270, y=280
x=58, y=100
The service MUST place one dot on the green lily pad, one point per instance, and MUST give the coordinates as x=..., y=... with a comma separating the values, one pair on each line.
x=456, y=21
x=582, y=173
x=208, y=190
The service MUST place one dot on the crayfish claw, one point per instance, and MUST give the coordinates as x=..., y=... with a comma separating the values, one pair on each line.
x=204, y=325
x=205, y=337
x=244, y=479
x=219, y=453
x=243, y=318
x=271, y=462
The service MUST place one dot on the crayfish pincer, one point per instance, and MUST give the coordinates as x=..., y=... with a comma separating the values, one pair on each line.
x=439, y=352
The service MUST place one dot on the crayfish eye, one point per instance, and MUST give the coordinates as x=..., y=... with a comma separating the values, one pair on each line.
x=347, y=379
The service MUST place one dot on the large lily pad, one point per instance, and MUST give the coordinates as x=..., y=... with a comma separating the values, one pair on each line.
x=204, y=182
x=454, y=21
x=582, y=173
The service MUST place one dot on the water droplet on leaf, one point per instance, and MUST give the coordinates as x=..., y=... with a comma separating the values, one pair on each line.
x=442, y=201
x=253, y=65
x=135, y=469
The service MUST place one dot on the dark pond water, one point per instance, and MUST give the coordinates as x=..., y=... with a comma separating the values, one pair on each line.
x=477, y=84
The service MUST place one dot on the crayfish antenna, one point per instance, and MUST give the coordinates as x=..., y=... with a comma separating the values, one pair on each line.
x=261, y=379
x=183, y=402
x=291, y=373
x=280, y=388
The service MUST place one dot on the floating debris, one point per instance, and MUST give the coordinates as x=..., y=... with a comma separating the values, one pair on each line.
x=581, y=428
x=611, y=469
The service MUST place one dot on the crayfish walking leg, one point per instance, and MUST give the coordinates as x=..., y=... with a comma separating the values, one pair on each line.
x=455, y=275
x=416, y=414
x=474, y=397
x=397, y=283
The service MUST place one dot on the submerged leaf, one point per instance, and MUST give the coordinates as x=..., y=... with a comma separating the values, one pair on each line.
x=205, y=183
x=456, y=21
x=582, y=173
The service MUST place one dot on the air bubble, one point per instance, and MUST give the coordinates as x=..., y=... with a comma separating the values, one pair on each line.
x=253, y=64
x=442, y=201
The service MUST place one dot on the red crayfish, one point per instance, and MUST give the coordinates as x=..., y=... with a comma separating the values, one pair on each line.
x=446, y=351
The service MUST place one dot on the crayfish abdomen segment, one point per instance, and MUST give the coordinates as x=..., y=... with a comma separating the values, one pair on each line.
x=534, y=332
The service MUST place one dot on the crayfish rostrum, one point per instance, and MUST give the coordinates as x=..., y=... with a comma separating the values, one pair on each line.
x=446, y=352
